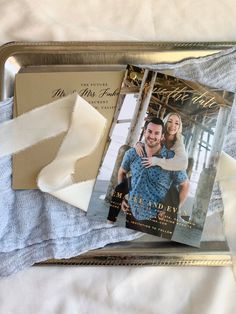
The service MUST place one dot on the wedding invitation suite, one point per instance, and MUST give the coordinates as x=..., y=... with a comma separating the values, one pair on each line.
x=33, y=89
x=157, y=176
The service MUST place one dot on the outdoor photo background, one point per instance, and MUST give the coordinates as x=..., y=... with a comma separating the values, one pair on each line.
x=118, y=139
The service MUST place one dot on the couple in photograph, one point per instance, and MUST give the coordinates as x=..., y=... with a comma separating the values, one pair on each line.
x=156, y=165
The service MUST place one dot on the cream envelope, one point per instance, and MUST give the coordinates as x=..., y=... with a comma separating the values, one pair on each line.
x=33, y=90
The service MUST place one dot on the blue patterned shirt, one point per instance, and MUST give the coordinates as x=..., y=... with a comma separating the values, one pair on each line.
x=149, y=186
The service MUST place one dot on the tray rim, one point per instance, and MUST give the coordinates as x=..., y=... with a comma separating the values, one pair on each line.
x=14, y=48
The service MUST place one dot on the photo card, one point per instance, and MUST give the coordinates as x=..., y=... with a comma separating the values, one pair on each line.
x=159, y=170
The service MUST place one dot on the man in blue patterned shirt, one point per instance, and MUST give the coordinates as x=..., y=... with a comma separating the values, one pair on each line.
x=149, y=186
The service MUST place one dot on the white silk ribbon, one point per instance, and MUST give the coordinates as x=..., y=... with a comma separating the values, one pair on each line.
x=84, y=127
x=226, y=175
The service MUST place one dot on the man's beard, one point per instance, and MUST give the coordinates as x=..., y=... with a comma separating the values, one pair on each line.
x=152, y=144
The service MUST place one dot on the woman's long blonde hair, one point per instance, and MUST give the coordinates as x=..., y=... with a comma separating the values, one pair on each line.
x=178, y=135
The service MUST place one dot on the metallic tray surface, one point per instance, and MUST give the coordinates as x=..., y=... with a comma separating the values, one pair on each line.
x=15, y=56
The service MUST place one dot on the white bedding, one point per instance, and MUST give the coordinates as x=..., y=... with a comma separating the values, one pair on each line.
x=118, y=289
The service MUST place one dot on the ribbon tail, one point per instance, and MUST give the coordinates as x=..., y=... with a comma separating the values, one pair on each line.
x=226, y=176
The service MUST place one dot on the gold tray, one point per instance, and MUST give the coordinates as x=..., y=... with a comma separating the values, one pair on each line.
x=15, y=56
